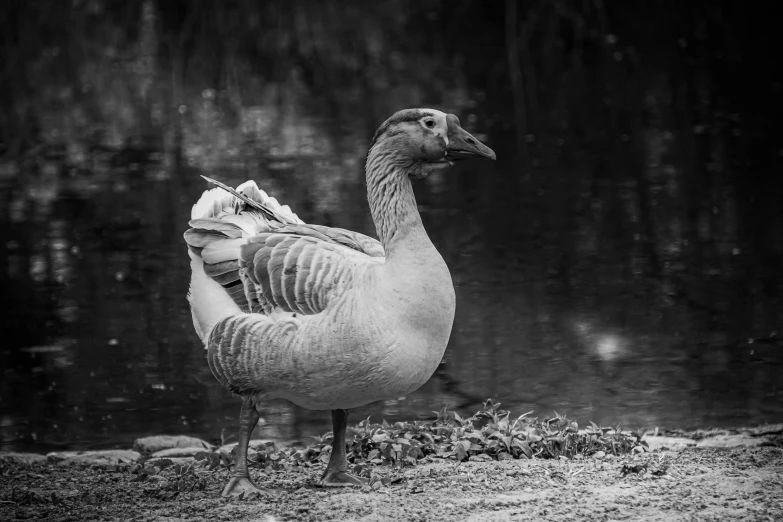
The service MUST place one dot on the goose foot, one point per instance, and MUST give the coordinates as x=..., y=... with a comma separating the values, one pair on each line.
x=342, y=479
x=244, y=487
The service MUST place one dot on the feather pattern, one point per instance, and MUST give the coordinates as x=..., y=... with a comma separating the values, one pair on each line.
x=324, y=317
x=293, y=285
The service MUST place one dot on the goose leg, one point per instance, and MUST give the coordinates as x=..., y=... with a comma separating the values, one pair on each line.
x=336, y=473
x=240, y=482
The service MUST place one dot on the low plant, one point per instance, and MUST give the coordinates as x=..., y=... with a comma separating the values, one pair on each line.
x=490, y=434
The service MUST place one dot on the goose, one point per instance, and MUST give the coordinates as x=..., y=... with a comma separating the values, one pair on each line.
x=326, y=318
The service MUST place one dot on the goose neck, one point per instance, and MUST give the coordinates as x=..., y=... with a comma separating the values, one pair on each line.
x=393, y=204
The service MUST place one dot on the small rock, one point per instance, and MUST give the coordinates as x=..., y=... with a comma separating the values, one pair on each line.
x=177, y=452
x=672, y=443
x=22, y=458
x=161, y=442
x=729, y=441
x=255, y=444
x=481, y=457
x=94, y=458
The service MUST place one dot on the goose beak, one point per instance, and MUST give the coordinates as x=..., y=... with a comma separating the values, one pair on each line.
x=462, y=145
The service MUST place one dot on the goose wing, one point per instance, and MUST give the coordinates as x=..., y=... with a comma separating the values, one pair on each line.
x=301, y=268
x=267, y=266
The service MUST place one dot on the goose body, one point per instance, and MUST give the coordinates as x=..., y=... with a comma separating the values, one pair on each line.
x=325, y=317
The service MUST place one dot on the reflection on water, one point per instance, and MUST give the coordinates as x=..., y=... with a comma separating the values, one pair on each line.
x=625, y=269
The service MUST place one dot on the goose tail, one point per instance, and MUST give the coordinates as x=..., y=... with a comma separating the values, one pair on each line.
x=221, y=222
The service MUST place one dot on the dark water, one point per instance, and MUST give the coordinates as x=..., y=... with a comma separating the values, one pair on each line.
x=620, y=263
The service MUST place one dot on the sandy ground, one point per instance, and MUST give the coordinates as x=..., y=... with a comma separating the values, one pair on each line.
x=740, y=483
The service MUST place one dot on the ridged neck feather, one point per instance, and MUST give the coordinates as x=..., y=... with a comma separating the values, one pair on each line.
x=392, y=203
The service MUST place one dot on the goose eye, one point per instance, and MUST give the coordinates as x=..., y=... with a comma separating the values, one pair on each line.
x=429, y=123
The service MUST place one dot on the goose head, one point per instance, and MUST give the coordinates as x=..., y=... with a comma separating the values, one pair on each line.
x=427, y=140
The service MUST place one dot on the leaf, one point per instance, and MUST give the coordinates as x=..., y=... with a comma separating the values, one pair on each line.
x=386, y=450
x=405, y=450
x=524, y=447
x=461, y=450
x=476, y=437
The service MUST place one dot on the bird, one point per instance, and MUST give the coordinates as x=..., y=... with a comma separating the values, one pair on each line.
x=326, y=318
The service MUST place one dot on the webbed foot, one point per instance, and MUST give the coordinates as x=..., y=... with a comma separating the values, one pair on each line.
x=244, y=487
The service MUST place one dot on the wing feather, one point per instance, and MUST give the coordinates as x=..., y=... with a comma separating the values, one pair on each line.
x=290, y=274
x=267, y=260
x=303, y=265
x=214, y=225
x=275, y=267
x=219, y=269
x=222, y=250
x=259, y=268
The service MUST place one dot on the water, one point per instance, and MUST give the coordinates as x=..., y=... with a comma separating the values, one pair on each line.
x=600, y=270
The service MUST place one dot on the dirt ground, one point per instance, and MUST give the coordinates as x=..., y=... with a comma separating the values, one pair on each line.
x=741, y=483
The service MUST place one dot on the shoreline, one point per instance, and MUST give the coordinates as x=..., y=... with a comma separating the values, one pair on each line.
x=715, y=475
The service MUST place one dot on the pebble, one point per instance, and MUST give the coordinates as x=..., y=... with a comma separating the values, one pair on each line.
x=672, y=443
x=730, y=441
x=254, y=444
x=22, y=458
x=162, y=442
x=94, y=458
x=177, y=452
